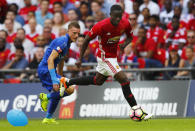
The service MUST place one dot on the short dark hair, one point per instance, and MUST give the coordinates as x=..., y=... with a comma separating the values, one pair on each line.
x=146, y=9
x=176, y=17
x=96, y=1
x=4, y=32
x=84, y=3
x=143, y=28
x=72, y=9
x=133, y=14
x=178, y=6
x=74, y=24
x=58, y=3
x=116, y=7
x=22, y=30
x=16, y=6
x=154, y=17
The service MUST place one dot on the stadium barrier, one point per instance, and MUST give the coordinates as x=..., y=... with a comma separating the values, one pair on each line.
x=162, y=98
x=138, y=73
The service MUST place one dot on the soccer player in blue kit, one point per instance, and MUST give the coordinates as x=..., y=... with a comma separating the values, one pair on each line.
x=50, y=71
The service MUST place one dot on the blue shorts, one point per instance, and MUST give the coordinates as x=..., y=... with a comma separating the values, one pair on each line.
x=45, y=78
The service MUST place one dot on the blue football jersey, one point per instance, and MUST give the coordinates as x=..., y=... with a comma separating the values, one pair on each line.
x=61, y=45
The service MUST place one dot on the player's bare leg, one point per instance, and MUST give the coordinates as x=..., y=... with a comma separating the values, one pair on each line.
x=125, y=84
x=98, y=79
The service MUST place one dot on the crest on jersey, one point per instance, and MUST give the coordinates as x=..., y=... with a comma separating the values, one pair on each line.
x=108, y=33
x=122, y=31
x=59, y=49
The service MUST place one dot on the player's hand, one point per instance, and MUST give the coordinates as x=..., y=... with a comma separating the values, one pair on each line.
x=78, y=63
x=56, y=87
x=121, y=46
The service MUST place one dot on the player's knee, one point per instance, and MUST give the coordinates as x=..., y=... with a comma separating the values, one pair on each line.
x=99, y=83
x=70, y=90
x=125, y=81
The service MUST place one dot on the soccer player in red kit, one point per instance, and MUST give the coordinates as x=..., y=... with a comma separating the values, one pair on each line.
x=109, y=31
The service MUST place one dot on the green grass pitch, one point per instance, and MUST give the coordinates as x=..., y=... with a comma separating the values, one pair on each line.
x=106, y=125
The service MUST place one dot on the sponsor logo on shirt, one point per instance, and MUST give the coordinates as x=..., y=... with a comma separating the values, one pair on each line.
x=113, y=40
x=117, y=67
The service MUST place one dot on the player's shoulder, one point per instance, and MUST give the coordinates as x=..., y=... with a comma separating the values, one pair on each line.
x=124, y=21
x=61, y=39
x=103, y=22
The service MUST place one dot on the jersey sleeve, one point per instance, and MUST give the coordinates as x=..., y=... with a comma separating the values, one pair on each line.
x=59, y=45
x=128, y=29
x=95, y=31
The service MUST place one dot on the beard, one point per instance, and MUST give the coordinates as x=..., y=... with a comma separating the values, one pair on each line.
x=2, y=48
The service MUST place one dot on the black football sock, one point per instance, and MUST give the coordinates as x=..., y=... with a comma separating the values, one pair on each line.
x=86, y=80
x=128, y=94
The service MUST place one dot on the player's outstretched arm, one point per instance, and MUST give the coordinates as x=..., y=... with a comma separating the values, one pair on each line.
x=54, y=54
x=83, y=49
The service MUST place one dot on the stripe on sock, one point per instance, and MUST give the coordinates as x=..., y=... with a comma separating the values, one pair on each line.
x=125, y=83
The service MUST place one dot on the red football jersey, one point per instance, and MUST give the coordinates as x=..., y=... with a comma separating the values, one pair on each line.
x=191, y=25
x=182, y=24
x=10, y=38
x=32, y=38
x=149, y=45
x=156, y=34
x=4, y=57
x=109, y=36
x=143, y=48
x=179, y=37
x=24, y=11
